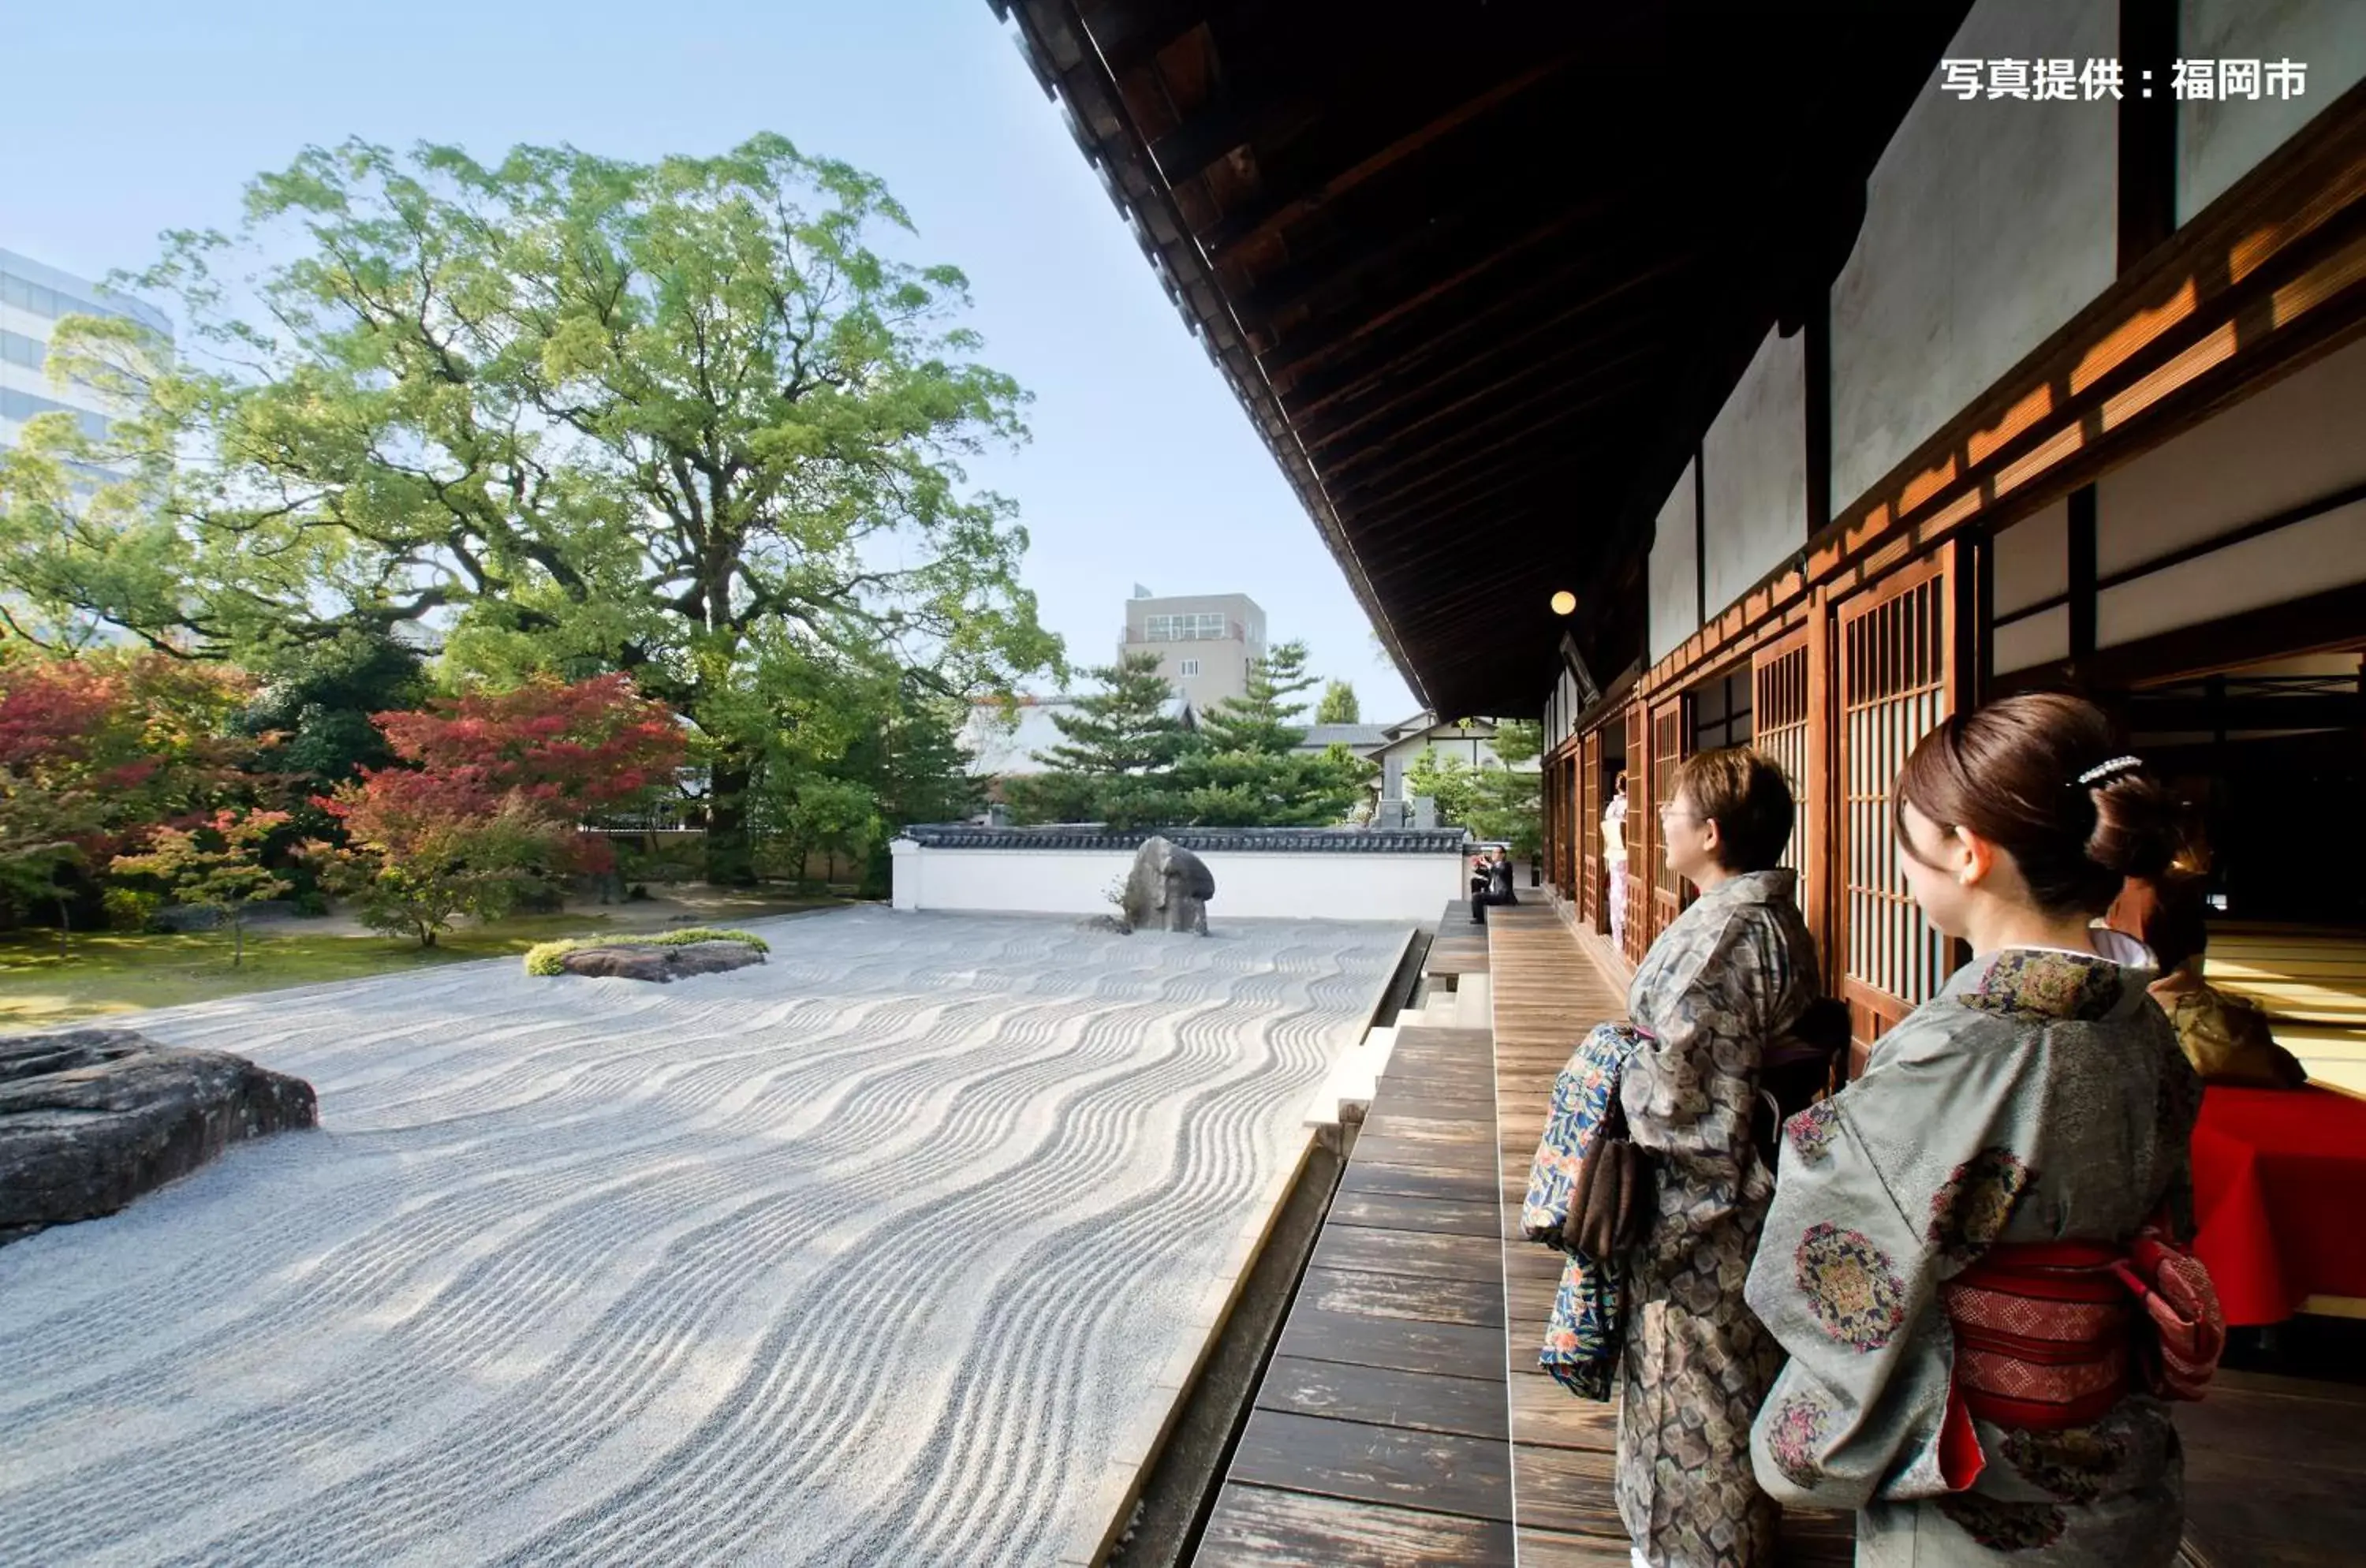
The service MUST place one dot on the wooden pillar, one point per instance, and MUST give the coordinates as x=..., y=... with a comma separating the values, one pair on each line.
x=2147, y=158
x=2082, y=579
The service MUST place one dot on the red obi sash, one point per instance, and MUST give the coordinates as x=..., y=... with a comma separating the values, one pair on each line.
x=2042, y=1333
x=2050, y=1334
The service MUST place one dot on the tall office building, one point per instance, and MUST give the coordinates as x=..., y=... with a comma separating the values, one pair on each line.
x=1204, y=642
x=32, y=298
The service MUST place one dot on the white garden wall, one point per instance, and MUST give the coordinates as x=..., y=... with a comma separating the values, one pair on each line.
x=1250, y=884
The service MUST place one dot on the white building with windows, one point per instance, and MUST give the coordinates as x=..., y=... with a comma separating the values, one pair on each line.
x=1204, y=642
x=33, y=299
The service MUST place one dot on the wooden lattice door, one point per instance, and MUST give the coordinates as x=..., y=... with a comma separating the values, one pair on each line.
x=1642, y=834
x=1897, y=674
x=1786, y=701
x=1670, y=746
x=1565, y=809
x=1592, y=878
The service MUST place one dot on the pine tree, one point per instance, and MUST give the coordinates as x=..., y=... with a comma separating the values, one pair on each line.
x=1339, y=705
x=1260, y=720
x=1243, y=771
x=1119, y=746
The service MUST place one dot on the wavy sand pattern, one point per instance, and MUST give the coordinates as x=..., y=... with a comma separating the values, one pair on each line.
x=864, y=1256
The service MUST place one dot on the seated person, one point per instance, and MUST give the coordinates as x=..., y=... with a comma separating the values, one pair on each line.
x=2226, y=1037
x=1498, y=889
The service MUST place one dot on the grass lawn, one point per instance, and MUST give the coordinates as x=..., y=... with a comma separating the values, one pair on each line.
x=107, y=973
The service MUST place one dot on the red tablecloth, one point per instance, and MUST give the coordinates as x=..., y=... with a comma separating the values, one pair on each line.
x=2279, y=1198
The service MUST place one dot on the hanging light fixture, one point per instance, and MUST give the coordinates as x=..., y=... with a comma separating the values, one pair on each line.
x=1564, y=603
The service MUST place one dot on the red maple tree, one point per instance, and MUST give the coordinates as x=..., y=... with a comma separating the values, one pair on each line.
x=99, y=751
x=489, y=794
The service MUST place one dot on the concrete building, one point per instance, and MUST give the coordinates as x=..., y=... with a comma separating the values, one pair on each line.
x=1204, y=641
x=33, y=297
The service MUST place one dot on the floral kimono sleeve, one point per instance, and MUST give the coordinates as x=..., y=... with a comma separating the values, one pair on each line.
x=1886, y=1189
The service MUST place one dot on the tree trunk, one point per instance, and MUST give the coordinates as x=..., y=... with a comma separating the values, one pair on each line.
x=730, y=849
x=237, y=940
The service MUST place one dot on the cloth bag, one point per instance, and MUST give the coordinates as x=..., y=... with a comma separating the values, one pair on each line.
x=1587, y=1328
x=2174, y=1293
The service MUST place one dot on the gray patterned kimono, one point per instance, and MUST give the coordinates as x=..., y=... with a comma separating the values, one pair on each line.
x=1729, y=975
x=2041, y=1097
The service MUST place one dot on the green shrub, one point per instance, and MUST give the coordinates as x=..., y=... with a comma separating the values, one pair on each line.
x=543, y=959
x=669, y=863
x=131, y=909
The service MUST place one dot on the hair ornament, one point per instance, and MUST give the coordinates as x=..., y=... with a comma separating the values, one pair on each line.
x=2103, y=771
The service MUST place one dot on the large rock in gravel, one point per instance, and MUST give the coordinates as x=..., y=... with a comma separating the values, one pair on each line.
x=649, y=961
x=1168, y=889
x=92, y=1118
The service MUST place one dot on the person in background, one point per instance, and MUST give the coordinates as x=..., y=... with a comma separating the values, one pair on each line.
x=1728, y=978
x=1942, y=1261
x=1614, y=856
x=2226, y=1037
x=1498, y=889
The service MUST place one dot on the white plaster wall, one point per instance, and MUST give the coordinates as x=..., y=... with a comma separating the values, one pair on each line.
x=2219, y=141
x=1987, y=225
x=2032, y=558
x=1249, y=886
x=1755, y=470
x=2036, y=640
x=2326, y=551
x=2303, y=438
x=1675, y=583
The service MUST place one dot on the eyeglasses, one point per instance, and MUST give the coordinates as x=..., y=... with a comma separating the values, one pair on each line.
x=1668, y=809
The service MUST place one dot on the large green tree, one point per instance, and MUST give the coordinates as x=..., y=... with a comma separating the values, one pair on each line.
x=567, y=414
x=1339, y=705
x=1118, y=748
x=1243, y=768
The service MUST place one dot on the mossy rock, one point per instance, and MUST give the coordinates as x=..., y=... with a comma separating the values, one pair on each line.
x=549, y=956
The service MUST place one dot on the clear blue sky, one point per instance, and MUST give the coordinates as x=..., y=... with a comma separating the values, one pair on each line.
x=1143, y=468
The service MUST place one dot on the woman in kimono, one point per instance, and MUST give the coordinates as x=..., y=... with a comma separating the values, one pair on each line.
x=1941, y=1260
x=1729, y=976
x=1614, y=855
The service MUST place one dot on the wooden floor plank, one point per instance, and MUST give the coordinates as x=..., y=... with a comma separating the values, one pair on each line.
x=1380, y=1432
x=1550, y=1549
x=1435, y=1128
x=1449, y=1349
x=1547, y=1414
x=1546, y=996
x=1476, y=1303
x=2275, y=1470
x=1415, y=1153
x=1259, y=1526
x=1363, y=1176
x=1355, y=1459
x=1472, y=1407
x=1394, y=1212
x=1407, y=1252
x=1571, y=1490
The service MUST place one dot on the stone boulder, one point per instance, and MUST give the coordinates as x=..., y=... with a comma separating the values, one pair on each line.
x=1168, y=889
x=649, y=961
x=92, y=1118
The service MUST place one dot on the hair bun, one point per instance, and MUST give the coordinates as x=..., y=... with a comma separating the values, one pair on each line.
x=2139, y=826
